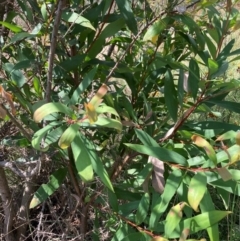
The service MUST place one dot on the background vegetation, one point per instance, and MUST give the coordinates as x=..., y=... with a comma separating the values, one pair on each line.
x=119, y=120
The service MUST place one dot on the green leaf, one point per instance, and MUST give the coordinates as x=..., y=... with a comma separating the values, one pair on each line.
x=211, y=47
x=162, y=203
x=97, y=163
x=229, y=186
x=113, y=201
x=72, y=17
x=227, y=135
x=199, y=222
x=194, y=77
x=14, y=28
x=143, y=175
x=180, y=89
x=44, y=11
x=201, y=142
x=170, y=95
x=70, y=63
x=53, y=136
x=37, y=86
x=126, y=10
x=160, y=153
x=87, y=80
x=233, y=106
x=105, y=122
x=39, y=135
x=223, y=67
x=110, y=30
x=173, y=218
x=142, y=210
x=20, y=36
x=212, y=66
x=16, y=75
x=106, y=109
x=146, y=139
x=82, y=159
x=46, y=190
x=205, y=125
x=155, y=29
x=207, y=205
x=68, y=136
x=50, y=108
x=224, y=54
x=197, y=188
x=140, y=236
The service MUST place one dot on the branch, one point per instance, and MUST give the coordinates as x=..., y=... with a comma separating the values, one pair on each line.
x=135, y=38
x=7, y=205
x=14, y=168
x=53, y=50
x=14, y=120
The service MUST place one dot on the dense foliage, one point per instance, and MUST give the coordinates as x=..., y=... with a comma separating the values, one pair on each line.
x=112, y=119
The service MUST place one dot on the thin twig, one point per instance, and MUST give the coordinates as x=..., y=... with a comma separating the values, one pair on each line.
x=13, y=168
x=101, y=28
x=53, y=50
x=135, y=38
x=14, y=120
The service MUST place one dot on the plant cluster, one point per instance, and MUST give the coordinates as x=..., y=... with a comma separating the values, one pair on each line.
x=116, y=106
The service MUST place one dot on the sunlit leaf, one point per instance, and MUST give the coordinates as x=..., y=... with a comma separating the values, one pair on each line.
x=161, y=204
x=46, y=190
x=156, y=29
x=160, y=153
x=82, y=159
x=14, y=28
x=184, y=234
x=106, y=122
x=173, y=218
x=97, y=164
x=38, y=137
x=238, y=138
x=68, y=136
x=199, y=222
x=201, y=142
x=206, y=205
x=106, y=109
x=227, y=135
x=50, y=108
x=196, y=191
x=91, y=112
x=213, y=66
x=97, y=98
x=159, y=239
x=72, y=17
x=143, y=207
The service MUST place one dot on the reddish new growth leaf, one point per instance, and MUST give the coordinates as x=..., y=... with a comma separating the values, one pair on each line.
x=158, y=181
x=8, y=97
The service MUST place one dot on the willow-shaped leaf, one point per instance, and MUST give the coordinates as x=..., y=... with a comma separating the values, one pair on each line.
x=170, y=95
x=197, y=188
x=201, y=142
x=46, y=190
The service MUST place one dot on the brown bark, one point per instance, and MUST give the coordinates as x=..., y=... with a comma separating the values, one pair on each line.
x=5, y=7
x=7, y=206
x=23, y=217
